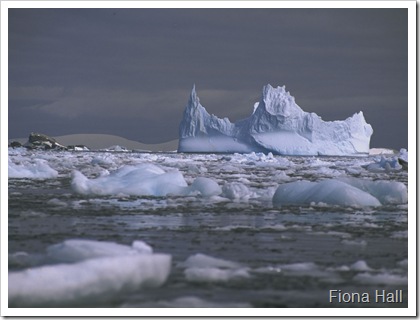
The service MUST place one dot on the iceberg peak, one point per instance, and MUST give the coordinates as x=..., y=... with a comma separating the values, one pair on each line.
x=279, y=102
x=194, y=101
x=277, y=124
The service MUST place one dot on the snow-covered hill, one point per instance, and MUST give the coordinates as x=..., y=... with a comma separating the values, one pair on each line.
x=103, y=141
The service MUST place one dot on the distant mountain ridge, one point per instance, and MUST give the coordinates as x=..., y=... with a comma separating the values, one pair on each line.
x=102, y=141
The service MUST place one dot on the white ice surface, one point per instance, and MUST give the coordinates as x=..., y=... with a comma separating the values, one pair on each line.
x=343, y=192
x=143, y=179
x=403, y=154
x=75, y=250
x=204, y=268
x=387, y=192
x=35, y=169
x=102, y=271
x=89, y=280
x=384, y=278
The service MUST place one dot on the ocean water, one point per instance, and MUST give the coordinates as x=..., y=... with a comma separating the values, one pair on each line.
x=231, y=250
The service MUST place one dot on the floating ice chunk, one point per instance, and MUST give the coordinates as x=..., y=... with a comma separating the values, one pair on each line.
x=143, y=179
x=403, y=154
x=203, y=268
x=214, y=274
x=23, y=259
x=403, y=264
x=38, y=169
x=206, y=186
x=390, y=163
x=328, y=191
x=200, y=260
x=361, y=243
x=93, y=271
x=300, y=267
x=400, y=234
x=236, y=190
x=384, y=164
x=308, y=269
x=381, y=278
x=141, y=247
x=86, y=282
x=387, y=192
x=360, y=266
x=342, y=191
x=75, y=250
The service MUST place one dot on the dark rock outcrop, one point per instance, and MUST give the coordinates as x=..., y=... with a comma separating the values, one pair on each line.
x=15, y=144
x=44, y=142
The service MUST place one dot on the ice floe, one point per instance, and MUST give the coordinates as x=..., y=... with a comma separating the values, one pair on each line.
x=204, y=268
x=143, y=179
x=100, y=271
x=342, y=192
x=35, y=169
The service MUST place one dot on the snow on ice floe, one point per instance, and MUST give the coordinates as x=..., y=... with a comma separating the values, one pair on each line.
x=277, y=125
x=342, y=192
x=100, y=272
x=143, y=179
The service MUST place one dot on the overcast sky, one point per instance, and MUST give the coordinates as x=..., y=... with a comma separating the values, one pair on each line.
x=129, y=72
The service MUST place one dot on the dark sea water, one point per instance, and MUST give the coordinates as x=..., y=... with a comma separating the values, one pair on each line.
x=288, y=256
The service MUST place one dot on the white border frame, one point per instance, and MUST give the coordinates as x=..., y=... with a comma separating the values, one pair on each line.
x=224, y=312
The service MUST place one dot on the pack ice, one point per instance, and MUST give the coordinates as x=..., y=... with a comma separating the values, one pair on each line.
x=277, y=125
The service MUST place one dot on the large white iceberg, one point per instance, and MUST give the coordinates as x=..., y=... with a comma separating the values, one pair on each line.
x=277, y=125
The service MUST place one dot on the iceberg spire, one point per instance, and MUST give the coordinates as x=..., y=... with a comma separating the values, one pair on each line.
x=194, y=100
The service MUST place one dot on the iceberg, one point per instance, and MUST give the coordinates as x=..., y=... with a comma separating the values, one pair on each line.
x=277, y=125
